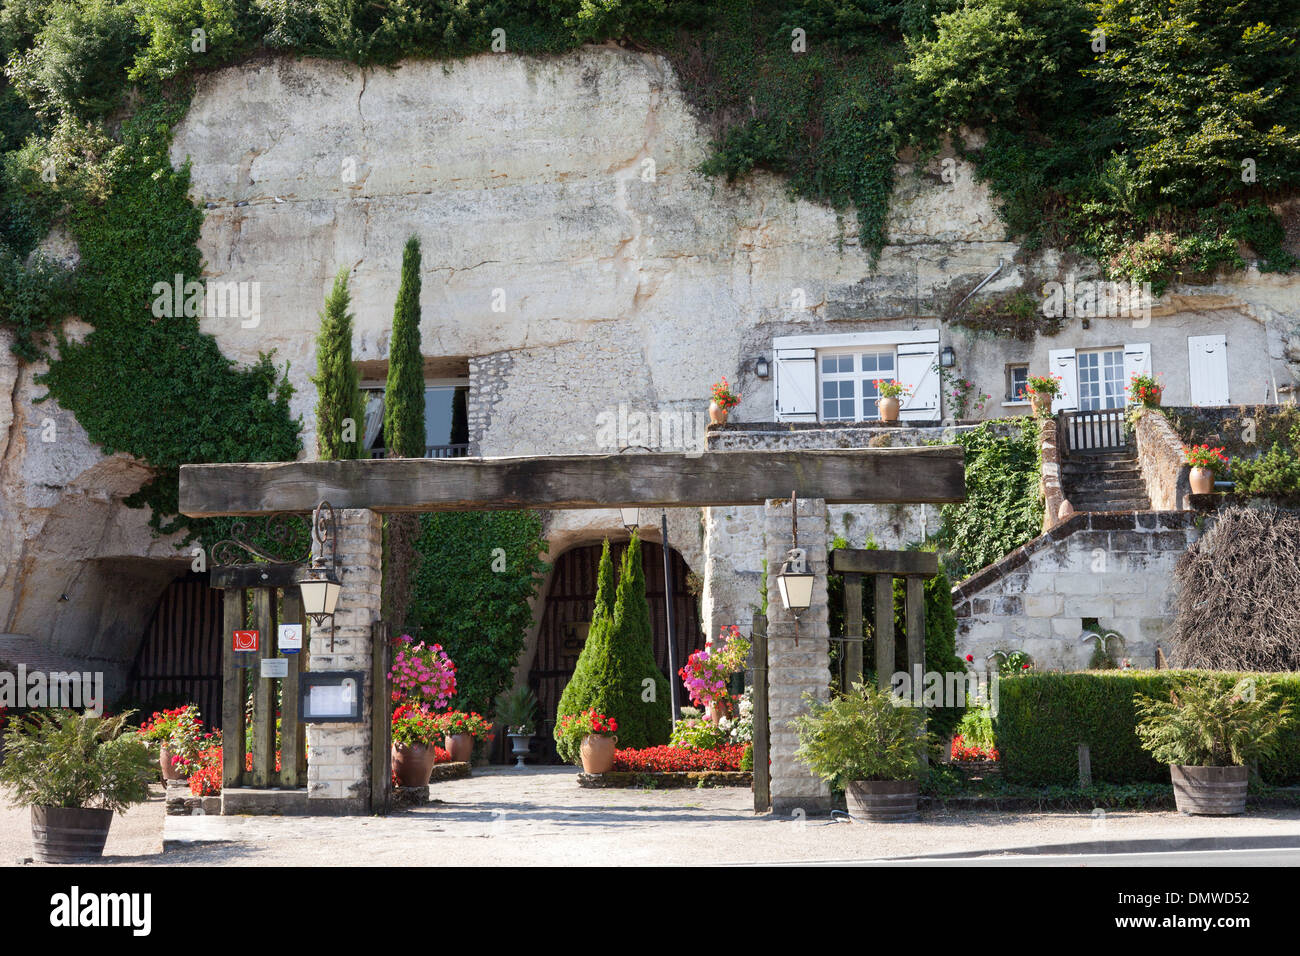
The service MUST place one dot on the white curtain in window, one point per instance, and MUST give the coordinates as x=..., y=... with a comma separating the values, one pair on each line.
x=374, y=419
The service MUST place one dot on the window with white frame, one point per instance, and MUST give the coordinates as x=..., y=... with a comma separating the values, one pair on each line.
x=848, y=383
x=1101, y=379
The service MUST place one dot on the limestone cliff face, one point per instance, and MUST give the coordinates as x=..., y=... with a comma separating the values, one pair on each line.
x=562, y=221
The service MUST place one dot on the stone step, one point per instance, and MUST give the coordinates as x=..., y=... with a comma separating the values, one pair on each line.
x=1114, y=487
x=1111, y=504
x=1092, y=458
x=1109, y=468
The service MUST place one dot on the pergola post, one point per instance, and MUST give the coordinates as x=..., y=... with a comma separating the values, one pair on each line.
x=339, y=755
x=796, y=670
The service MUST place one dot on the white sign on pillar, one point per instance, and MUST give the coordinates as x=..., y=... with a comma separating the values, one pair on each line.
x=290, y=638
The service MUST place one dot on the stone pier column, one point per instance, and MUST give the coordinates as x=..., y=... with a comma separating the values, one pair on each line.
x=338, y=755
x=794, y=671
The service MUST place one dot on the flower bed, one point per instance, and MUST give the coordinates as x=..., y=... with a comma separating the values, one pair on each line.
x=667, y=759
x=624, y=779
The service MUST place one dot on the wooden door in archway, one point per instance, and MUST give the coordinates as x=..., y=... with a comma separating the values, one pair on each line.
x=567, y=612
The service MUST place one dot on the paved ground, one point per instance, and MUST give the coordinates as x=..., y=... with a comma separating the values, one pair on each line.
x=541, y=816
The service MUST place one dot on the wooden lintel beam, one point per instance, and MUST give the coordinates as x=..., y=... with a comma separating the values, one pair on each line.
x=254, y=575
x=901, y=563
x=933, y=474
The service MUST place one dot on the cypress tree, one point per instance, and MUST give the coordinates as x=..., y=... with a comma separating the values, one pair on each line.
x=338, y=384
x=403, y=431
x=404, y=391
x=618, y=657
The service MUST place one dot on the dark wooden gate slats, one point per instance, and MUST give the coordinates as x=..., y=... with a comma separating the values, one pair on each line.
x=884, y=629
x=570, y=598
x=180, y=654
x=293, y=732
x=263, y=690
x=853, y=630
x=232, y=692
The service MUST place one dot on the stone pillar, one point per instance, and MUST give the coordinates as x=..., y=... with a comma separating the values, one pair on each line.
x=733, y=546
x=794, y=671
x=338, y=755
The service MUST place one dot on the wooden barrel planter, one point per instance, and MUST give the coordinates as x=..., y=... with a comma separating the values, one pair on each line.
x=883, y=801
x=69, y=835
x=1209, y=791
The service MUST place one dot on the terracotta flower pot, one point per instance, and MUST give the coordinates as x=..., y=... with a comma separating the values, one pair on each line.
x=1201, y=479
x=717, y=414
x=1042, y=405
x=888, y=409
x=165, y=762
x=413, y=764
x=460, y=747
x=598, y=753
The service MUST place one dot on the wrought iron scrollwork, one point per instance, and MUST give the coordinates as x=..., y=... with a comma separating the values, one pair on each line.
x=282, y=538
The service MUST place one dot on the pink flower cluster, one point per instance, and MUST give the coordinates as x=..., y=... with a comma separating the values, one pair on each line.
x=422, y=672
x=705, y=674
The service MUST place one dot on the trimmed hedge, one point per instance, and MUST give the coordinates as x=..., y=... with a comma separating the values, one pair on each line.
x=1042, y=719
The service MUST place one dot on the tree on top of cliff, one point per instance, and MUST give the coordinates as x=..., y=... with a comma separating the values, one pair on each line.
x=338, y=391
x=618, y=659
x=404, y=393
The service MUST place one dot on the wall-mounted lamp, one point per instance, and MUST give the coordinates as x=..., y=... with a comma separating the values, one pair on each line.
x=319, y=583
x=794, y=580
x=631, y=518
x=947, y=357
x=762, y=367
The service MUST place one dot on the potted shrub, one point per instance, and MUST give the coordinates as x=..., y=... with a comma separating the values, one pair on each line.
x=75, y=771
x=588, y=739
x=1205, y=461
x=1145, y=389
x=517, y=712
x=868, y=746
x=179, y=736
x=706, y=673
x=724, y=400
x=1208, y=735
x=890, y=391
x=415, y=734
x=1041, y=389
x=459, y=730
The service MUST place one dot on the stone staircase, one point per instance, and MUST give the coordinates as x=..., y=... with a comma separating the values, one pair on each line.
x=1104, y=480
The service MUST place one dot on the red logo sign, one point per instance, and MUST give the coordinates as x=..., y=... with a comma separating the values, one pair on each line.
x=245, y=640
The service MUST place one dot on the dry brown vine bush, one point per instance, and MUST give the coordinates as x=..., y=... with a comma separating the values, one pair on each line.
x=1238, y=604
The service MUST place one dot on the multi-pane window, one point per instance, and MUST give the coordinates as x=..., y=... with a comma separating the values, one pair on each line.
x=1017, y=382
x=1101, y=379
x=848, y=390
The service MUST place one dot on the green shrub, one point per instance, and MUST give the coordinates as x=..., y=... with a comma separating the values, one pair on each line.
x=616, y=674
x=64, y=759
x=1043, y=717
x=861, y=735
x=1203, y=724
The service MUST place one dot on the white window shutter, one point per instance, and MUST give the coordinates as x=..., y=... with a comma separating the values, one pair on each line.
x=1065, y=363
x=1207, y=357
x=1137, y=361
x=795, y=391
x=917, y=370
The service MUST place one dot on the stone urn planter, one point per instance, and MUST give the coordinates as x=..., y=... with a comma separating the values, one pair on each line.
x=1041, y=404
x=717, y=414
x=520, y=747
x=165, y=762
x=460, y=747
x=1201, y=479
x=413, y=764
x=598, y=753
x=883, y=801
x=69, y=834
x=888, y=408
x=1209, y=791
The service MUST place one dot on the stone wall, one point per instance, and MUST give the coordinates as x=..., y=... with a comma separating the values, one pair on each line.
x=794, y=670
x=1116, y=567
x=1049, y=474
x=1160, y=459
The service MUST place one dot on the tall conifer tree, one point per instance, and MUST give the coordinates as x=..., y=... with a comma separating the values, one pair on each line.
x=337, y=381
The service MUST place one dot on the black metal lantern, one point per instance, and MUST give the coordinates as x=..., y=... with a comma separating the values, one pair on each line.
x=319, y=584
x=631, y=518
x=947, y=357
x=762, y=367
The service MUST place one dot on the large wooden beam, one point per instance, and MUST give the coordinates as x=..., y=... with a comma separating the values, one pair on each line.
x=932, y=474
x=898, y=563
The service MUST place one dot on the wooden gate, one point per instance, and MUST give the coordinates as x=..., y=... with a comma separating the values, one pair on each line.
x=260, y=598
x=179, y=660
x=1101, y=430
